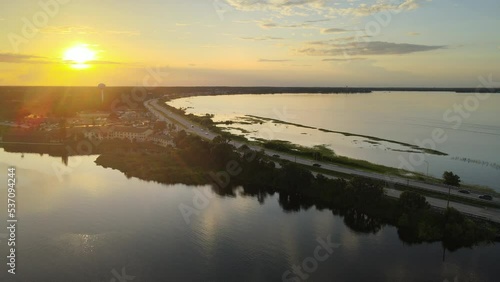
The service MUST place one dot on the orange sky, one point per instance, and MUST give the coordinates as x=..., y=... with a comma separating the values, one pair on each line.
x=244, y=43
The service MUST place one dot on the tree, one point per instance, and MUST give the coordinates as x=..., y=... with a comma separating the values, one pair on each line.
x=221, y=139
x=365, y=192
x=411, y=201
x=293, y=178
x=451, y=179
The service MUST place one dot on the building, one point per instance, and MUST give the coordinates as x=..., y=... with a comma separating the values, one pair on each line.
x=138, y=134
x=92, y=115
x=161, y=140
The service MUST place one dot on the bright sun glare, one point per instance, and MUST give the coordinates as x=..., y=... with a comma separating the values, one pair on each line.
x=78, y=56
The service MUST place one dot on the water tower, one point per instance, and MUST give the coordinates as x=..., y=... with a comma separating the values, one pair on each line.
x=101, y=86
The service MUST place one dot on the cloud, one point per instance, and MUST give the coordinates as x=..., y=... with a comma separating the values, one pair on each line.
x=267, y=24
x=333, y=30
x=367, y=49
x=262, y=38
x=413, y=33
x=356, y=38
x=272, y=61
x=324, y=7
x=23, y=59
x=343, y=60
x=97, y=62
x=85, y=30
x=186, y=24
x=256, y=5
x=32, y=59
x=380, y=6
x=318, y=21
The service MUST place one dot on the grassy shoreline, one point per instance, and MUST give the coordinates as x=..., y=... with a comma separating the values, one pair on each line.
x=310, y=153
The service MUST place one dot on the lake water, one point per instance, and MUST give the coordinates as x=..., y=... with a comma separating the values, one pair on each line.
x=470, y=137
x=94, y=224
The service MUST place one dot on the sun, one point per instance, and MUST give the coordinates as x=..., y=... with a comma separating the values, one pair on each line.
x=79, y=55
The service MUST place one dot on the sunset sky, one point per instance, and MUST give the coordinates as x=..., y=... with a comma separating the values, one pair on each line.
x=249, y=42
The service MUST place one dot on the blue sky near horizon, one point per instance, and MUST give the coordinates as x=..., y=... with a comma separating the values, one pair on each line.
x=424, y=43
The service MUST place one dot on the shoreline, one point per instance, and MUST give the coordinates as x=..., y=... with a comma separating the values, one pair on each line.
x=297, y=187
x=206, y=121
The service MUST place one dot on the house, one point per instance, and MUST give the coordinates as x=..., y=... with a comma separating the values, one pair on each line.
x=92, y=115
x=139, y=134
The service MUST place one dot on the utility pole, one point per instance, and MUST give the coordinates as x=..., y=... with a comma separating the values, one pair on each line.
x=427, y=167
x=449, y=192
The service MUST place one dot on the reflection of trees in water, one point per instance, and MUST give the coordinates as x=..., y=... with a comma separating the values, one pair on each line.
x=51, y=150
x=257, y=191
x=361, y=222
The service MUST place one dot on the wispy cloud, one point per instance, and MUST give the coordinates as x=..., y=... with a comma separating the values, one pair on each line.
x=98, y=62
x=334, y=30
x=86, y=30
x=381, y=6
x=366, y=48
x=334, y=41
x=323, y=7
x=269, y=24
x=186, y=24
x=23, y=59
x=318, y=21
x=262, y=38
x=10, y=58
x=343, y=60
x=273, y=61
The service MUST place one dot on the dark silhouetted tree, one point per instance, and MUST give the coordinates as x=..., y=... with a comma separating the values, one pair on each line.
x=449, y=178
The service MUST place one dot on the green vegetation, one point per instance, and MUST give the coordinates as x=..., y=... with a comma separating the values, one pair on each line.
x=452, y=197
x=260, y=119
x=322, y=153
x=371, y=139
x=451, y=179
x=360, y=201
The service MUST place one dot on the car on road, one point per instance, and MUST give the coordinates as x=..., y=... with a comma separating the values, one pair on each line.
x=276, y=156
x=486, y=197
x=316, y=165
x=463, y=191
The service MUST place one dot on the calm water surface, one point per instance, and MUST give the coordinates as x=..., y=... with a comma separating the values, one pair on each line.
x=473, y=145
x=95, y=220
